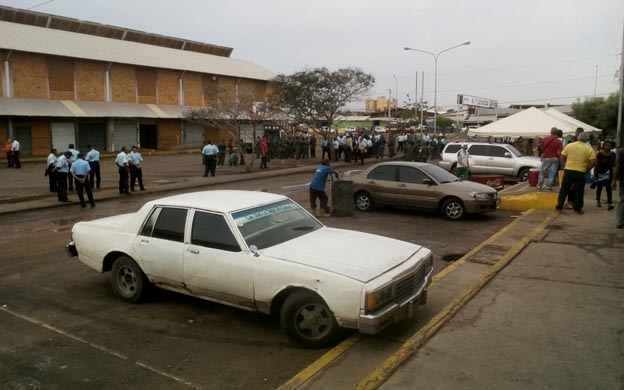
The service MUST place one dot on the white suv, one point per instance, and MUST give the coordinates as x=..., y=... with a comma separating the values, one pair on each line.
x=492, y=159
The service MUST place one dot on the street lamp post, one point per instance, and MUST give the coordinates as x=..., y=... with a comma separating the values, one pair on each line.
x=396, y=93
x=435, y=77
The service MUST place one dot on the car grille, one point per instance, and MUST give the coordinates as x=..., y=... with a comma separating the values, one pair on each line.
x=405, y=287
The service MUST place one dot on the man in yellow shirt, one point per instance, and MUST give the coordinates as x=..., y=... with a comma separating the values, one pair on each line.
x=577, y=159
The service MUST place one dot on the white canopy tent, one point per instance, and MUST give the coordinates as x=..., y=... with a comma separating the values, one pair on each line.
x=531, y=122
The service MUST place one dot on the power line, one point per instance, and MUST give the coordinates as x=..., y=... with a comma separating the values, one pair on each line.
x=40, y=4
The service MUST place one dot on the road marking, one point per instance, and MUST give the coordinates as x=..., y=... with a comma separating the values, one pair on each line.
x=381, y=374
x=322, y=362
x=96, y=346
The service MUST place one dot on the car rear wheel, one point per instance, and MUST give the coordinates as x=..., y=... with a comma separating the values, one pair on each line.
x=128, y=280
x=363, y=201
x=523, y=175
x=453, y=208
x=308, y=320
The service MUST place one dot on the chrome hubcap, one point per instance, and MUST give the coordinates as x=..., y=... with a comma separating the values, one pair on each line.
x=127, y=281
x=313, y=321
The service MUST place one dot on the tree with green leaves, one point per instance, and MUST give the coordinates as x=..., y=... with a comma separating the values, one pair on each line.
x=599, y=112
x=314, y=97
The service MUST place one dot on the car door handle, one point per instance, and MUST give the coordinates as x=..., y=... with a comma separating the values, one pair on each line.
x=195, y=251
x=402, y=185
x=371, y=182
x=143, y=241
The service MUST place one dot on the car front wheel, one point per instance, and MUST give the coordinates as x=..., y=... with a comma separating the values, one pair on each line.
x=453, y=209
x=363, y=201
x=128, y=280
x=523, y=175
x=308, y=320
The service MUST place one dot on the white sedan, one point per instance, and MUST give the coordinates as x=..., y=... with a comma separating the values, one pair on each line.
x=262, y=252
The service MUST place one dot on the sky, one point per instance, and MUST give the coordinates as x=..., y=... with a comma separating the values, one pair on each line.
x=530, y=51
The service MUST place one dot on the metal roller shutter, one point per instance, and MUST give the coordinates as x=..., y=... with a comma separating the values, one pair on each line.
x=63, y=134
x=193, y=136
x=124, y=134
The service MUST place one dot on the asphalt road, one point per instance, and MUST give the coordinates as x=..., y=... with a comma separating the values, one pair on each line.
x=63, y=328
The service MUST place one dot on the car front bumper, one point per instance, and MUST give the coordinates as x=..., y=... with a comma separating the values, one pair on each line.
x=375, y=322
x=71, y=249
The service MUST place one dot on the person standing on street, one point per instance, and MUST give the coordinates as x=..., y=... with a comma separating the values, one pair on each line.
x=74, y=155
x=9, y=152
x=264, y=153
x=80, y=172
x=463, y=163
x=618, y=175
x=121, y=162
x=209, y=153
x=317, y=188
x=50, y=172
x=550, y=147
x=61, y=171
x=16, y=153
x=221, y=155
x=135, y=162
x=603, y=174
x=93, y=158
x=577, y=159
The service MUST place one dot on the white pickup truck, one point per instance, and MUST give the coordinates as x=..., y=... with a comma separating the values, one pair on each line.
x=262, y=252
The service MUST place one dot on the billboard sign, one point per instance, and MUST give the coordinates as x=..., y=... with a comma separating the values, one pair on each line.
x=476, y=101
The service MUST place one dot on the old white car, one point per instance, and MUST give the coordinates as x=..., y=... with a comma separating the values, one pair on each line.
x=263, y=252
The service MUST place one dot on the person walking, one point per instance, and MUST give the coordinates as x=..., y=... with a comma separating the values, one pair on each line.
x=550, y=148
x=618, y=176
x=603, y=174
x=317, y=188
x=16, y=153
x=93, y=158
x=61, y=171
x=121, y=162
x=135, y=163
x=209, y=153
x=577, y=159
x=80, y=172
x=50, y=172
x=264, y=153
x=9, y=152
x=463, y=163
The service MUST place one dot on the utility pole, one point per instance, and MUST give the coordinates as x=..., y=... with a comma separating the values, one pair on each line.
x=416, y=98
x=595, y=81
x=389, y=99
x=619, y=140
x=422, y=100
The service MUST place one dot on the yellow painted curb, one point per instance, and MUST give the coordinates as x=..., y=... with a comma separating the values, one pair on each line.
x=322, y=362
x=378, y=376
x=532, y=200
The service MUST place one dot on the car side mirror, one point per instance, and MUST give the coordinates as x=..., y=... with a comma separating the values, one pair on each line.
x=428, y=182
x=254, y=250
x=507, y=154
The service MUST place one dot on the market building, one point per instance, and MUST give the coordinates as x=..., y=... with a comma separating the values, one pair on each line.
x=65, y=81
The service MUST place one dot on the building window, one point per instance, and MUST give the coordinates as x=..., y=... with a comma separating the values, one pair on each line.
x=61, y=74
x=146, y=82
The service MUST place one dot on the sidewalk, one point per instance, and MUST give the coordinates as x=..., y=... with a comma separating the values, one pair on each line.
x=552, y=319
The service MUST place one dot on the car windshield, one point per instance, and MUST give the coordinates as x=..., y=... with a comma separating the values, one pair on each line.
x=438, y=174
x=275, y=223
x=515, y=151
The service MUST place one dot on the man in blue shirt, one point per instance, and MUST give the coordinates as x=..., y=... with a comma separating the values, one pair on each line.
x=209, y=154
x=135, y=161
x=93, y=158
x=74, y=155
x=61, y=171
x=80, y=171
x=317, y=188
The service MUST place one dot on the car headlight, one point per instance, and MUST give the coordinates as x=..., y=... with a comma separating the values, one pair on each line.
x=480, y=195
x=377, y=298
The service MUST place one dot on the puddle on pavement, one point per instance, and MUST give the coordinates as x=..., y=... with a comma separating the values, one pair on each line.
x=453, y=257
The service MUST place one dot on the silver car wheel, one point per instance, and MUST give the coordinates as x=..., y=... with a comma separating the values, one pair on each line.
x=453, y=209
x=313, y=321
x=127, y=281
x=363, y=201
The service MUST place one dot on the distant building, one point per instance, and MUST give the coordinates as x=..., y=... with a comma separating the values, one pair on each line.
x=380, y=104
x=65, y=81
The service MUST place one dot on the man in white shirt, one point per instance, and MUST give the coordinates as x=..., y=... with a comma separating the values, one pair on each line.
x=93, y=158
x=121, y=162
x=16, y=153
x=50, y=172
x=463, y=165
